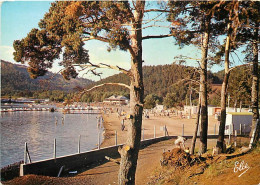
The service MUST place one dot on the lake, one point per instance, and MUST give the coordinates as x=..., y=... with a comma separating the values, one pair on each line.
x=39, y=128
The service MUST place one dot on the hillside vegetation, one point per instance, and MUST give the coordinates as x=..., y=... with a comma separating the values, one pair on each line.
x=159, y=80
x=16, y=81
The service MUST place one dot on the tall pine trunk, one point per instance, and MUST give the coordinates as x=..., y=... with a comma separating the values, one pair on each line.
x=203, y=83
x=255, y=87
x=224, y=88
x=129, y=152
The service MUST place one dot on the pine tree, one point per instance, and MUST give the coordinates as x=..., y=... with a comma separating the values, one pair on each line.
x=192, y=24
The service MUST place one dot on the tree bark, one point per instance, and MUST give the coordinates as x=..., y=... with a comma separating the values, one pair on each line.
x=224, y=88
x=255, y=87
x=129, y=152
x=203, y=86
x=193, y=142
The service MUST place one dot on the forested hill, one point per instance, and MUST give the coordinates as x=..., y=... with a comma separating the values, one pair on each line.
x=15, y=77
x=158, y=80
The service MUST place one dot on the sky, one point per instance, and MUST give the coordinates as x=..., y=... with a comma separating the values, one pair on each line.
x=19, y=17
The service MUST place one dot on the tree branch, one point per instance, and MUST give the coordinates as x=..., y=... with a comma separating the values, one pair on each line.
x=237, y=56
x=153, y=19
x=157, y=36
x=127, y=72
x=159, y=26
x=102, y=65
x=91, y=37
x=101, y=85
x=185, y=57
x=157, y=10
x=107, y=40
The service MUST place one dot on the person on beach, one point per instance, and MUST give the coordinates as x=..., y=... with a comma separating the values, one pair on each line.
x=62, y=120
x=180, y=115
x=123, y=124
x=98, y=122
x=101, y=122
x=56, y=120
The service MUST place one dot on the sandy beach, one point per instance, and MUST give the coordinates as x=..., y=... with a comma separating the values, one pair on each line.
x=173, y=123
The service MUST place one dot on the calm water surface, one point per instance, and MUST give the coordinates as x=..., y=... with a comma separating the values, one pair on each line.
x=38, y=129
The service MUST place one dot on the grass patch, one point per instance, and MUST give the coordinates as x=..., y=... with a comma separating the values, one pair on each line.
x=256, y=148
x=217, y=169
x=168, y=175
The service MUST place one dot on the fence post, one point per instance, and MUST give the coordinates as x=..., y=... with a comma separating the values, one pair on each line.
x=154, y=132
x=25, y=153
x=79, y=145
x=235, y=138
x=229, y=134
x=240, y=129
x=182, y=129
x=98, y=140
x=54, y=148
x=229, y=139
x=116, y=138
x=244, y=129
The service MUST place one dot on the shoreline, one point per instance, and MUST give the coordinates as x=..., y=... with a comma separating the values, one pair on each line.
x=152, y=126
x=111, y=126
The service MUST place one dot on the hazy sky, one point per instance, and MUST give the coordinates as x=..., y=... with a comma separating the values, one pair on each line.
x=19, y=17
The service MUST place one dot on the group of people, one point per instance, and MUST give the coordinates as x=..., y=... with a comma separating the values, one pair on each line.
x=62, y=120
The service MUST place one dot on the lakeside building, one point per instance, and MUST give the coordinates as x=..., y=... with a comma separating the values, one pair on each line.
x=117, y=100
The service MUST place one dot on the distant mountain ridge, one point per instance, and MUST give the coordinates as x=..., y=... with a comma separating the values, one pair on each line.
x=157, y=80
x=15, y=77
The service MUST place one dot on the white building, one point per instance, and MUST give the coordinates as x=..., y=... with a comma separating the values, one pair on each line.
x=234, y=119
x=159, y=107
x=193, y=109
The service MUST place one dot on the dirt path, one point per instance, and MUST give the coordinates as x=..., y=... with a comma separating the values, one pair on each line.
x=149, y=159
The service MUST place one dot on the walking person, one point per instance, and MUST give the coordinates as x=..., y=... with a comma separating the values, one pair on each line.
x=123, y=124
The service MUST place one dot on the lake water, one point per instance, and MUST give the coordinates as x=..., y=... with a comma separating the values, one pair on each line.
x=39, y=128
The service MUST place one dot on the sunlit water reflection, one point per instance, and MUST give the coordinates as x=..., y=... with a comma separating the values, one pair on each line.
x=39, y=128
